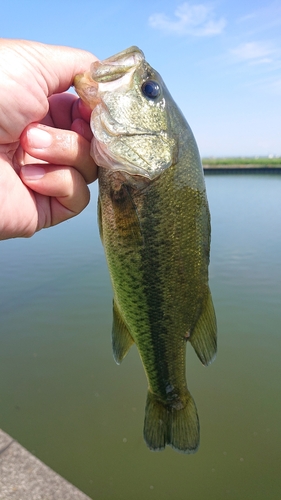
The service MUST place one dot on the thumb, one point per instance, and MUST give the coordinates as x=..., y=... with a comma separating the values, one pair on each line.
x=30, y=72
x=60, y=64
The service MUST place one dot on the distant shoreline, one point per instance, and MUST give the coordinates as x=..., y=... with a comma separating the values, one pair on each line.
x=242, y=165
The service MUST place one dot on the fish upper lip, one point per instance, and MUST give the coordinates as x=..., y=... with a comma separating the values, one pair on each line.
x=116, y=66
x=124, y=53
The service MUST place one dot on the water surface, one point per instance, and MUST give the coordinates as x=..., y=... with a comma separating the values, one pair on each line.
x=63, y=397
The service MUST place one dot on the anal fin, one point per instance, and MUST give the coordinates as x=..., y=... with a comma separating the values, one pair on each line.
x=121, y=337
x=204, y=337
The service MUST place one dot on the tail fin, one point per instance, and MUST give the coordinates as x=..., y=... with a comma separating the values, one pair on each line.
x=178, y=428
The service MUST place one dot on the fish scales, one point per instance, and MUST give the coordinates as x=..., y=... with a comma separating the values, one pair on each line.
x=155, y=228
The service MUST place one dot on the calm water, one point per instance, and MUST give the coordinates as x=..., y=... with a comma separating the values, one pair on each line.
x=63, y=397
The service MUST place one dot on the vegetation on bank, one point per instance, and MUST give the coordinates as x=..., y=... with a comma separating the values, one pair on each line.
x=258, y=161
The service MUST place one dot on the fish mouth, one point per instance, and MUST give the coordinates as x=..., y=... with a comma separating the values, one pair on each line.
x=108, y=75
x=115, y=67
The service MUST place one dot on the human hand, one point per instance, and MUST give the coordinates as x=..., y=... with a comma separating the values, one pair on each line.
x=45, y=161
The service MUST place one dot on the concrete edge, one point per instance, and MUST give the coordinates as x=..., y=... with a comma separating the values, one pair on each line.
x=25, y=477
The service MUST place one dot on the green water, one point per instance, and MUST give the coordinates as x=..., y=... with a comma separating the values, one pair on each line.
x=64, y=399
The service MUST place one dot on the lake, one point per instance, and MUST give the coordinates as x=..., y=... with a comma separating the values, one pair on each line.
x=63, y=397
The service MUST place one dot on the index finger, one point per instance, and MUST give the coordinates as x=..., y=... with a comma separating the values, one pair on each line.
x=60, y=147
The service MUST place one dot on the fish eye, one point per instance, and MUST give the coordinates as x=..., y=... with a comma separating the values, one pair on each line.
x=151, y=89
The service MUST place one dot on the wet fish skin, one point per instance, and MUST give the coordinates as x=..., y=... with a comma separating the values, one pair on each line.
x=155, y=227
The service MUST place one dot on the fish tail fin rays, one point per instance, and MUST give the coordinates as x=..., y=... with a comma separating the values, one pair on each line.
x=185, y=431
x=204, y=337
x=164, y=425
x=121, y=337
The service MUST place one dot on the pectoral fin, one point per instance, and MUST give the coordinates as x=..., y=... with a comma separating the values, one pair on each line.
x=121, y=337
x=204, y=337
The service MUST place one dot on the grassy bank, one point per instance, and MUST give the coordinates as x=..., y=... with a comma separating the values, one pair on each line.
x=242, y=162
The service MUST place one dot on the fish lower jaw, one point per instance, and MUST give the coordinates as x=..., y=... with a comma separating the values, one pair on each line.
x=105, y=160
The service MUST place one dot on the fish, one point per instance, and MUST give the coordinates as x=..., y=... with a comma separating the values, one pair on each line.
x=154, y=224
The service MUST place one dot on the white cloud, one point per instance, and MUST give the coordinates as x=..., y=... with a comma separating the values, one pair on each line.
x=266, y=17
x=254, y=52
x=191, y=19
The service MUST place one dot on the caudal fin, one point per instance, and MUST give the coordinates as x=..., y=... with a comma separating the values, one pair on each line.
x=178, y=428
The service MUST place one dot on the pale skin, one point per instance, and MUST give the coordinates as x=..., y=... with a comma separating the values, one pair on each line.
x=45, y=162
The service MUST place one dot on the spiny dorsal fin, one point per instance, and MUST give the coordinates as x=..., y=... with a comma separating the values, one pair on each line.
x=121, y=337
x=204, y=337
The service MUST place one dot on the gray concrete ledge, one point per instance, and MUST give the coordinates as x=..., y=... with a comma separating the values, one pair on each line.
x=25, y=477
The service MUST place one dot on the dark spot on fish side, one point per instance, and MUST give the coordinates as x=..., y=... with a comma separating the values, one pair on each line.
x=118, y=195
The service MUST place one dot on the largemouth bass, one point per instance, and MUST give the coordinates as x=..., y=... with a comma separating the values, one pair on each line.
x=155, y=227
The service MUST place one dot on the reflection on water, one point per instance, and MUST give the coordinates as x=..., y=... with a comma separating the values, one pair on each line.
x=63, y=397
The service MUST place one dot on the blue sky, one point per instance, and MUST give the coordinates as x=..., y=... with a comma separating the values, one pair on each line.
x=221, y=60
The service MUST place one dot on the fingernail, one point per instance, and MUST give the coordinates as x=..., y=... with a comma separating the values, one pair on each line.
x=38, y=138
x=32, y=173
